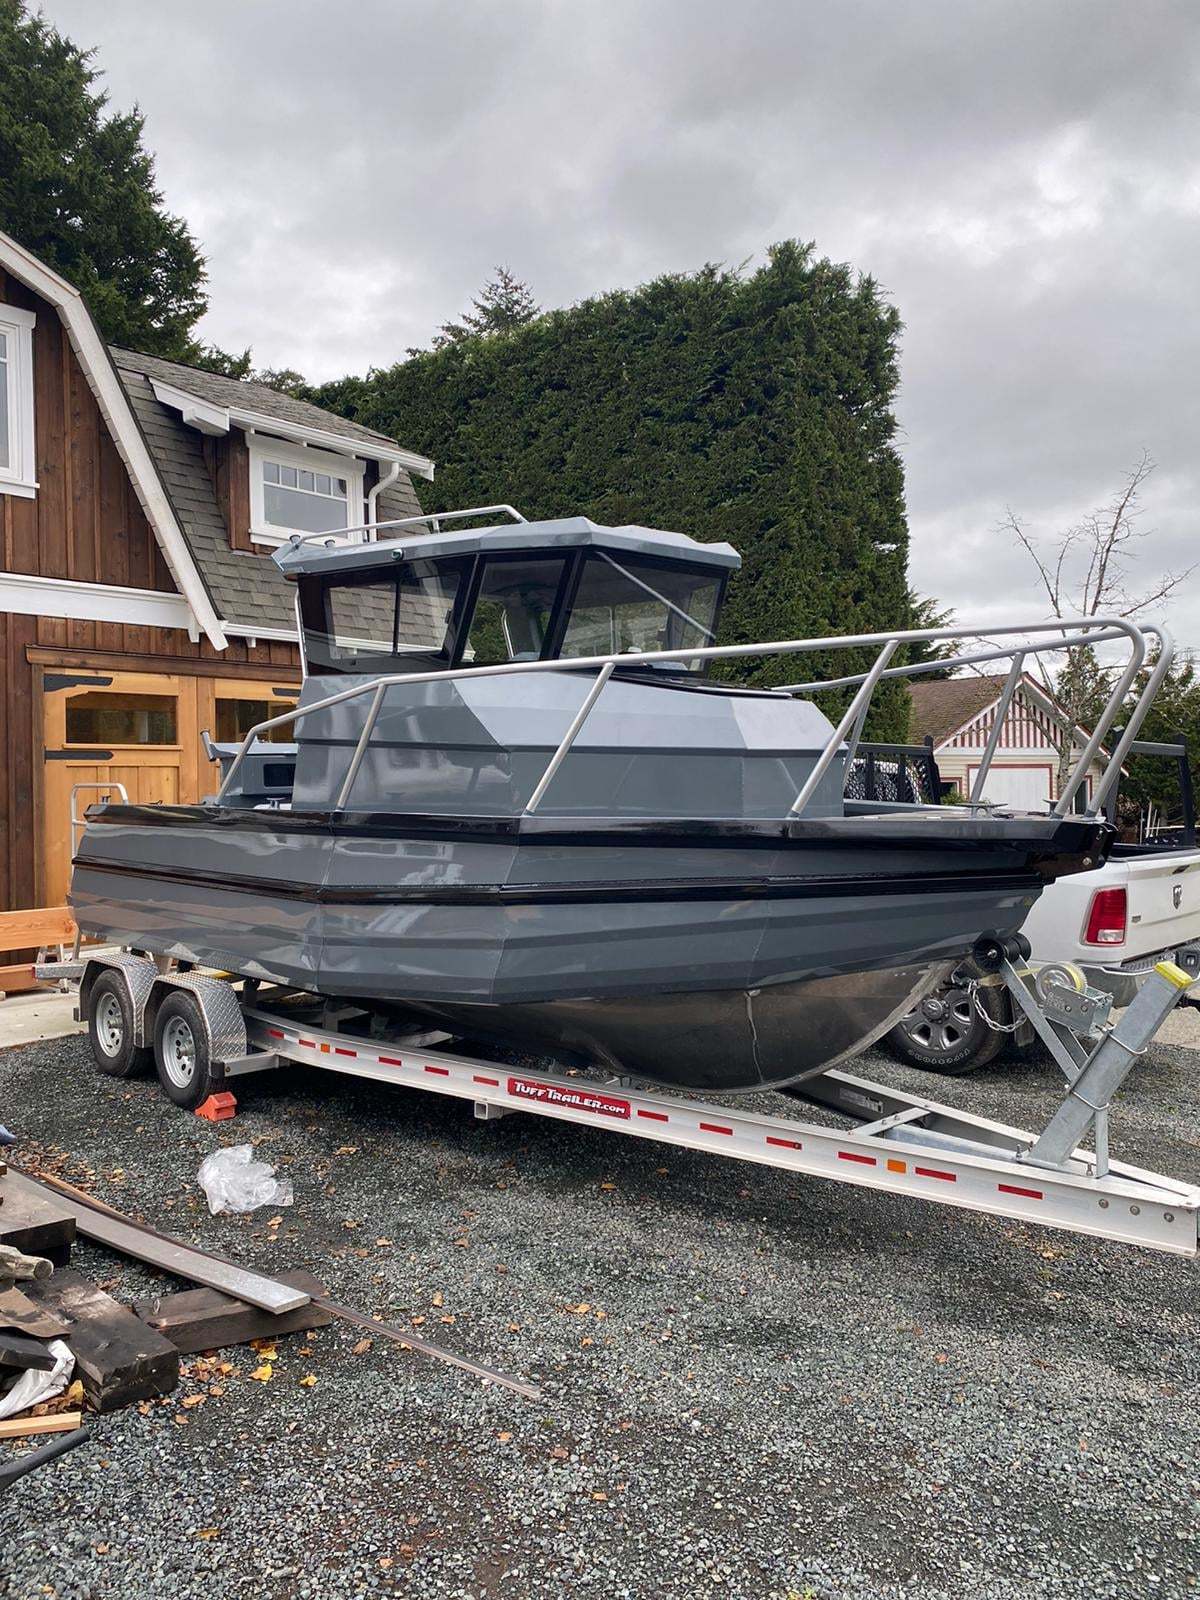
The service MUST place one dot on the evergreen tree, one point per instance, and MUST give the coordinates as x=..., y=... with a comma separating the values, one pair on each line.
x=77, y=188
x=753, y=407
x=505, y=303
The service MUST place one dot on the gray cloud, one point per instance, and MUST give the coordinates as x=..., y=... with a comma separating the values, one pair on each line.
x=1023, y=179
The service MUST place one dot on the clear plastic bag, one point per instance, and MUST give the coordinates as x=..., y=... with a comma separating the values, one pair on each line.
x=234, y=1181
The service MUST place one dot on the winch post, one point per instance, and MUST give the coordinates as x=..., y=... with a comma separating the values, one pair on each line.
x=1109, y=1065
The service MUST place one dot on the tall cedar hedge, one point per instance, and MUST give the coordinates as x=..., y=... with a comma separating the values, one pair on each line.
x=756, y=409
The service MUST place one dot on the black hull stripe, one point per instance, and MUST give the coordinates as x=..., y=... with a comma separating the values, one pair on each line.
x=520, y=894
x=1044, y=839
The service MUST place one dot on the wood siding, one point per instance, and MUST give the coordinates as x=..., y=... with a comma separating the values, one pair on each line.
x=228, y=461
x=85, y=524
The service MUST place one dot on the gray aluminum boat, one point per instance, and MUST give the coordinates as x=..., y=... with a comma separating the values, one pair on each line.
x=516, y=804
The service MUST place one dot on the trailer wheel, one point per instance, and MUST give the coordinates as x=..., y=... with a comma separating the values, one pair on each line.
x=945, y=1033
x=181, y=1054
x=111, y=1030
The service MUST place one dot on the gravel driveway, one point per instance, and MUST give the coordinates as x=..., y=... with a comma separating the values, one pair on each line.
x=756, y=1385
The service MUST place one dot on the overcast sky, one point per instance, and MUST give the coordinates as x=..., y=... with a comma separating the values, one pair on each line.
x=1022, y=177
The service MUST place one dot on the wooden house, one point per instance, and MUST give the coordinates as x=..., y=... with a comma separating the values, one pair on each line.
x=139, y=504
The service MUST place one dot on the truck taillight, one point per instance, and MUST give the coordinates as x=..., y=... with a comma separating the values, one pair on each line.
x=1107, y=916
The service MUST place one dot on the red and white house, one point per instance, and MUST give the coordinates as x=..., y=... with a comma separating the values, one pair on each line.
x=958, y=714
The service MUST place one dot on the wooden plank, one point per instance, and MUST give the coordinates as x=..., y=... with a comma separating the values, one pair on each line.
x=18, y=979
x=24, y=1427
x=205, y=1319
x=18, y=1311
x=118, y=1359
x=114, y=662
x=26, y=1355
x=38, y=926
x=170, y=1255
x=33, y=1220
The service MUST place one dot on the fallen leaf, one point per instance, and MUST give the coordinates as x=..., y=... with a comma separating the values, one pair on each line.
x=559, y=1453
x=386, y=1561
x=504, y=1437
x=263, y=1374
x=361, y=1348
x=346, y=1150
x=607, y=1188
x=417, y=1321
x=192, y=1400
x=207, y=1533
x=599, y=1494
x=308, y=1381
x=100, y=1549
x=439, y=1299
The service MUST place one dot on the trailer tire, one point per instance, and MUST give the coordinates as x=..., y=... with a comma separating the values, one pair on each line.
x=945, y=1032
x=112, y=1030
x=181, y=1051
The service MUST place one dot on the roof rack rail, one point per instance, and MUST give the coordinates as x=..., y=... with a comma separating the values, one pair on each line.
x=433, y=521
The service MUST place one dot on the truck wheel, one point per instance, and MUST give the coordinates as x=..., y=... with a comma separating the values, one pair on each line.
x=945, y=1033
x=181, y=1056
x=111, y=1030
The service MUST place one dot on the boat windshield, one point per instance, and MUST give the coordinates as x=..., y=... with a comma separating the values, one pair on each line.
x=481, y=611
x=631, y=605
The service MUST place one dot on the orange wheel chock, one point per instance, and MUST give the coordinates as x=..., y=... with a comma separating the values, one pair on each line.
x=218, y=1107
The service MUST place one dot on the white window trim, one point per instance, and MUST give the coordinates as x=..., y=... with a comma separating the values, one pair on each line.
x=263, y=449
x=20, y=478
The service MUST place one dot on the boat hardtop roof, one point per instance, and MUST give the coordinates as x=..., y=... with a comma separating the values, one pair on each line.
x=557, y=533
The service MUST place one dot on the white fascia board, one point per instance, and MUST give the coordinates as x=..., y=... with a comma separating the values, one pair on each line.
x=199, y=414
x=246, y=630
x=102, y=378
x=215, y=419
x=341, y=444
x=31, y=596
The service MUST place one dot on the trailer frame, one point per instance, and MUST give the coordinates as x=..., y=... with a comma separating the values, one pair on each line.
x=899, y=1143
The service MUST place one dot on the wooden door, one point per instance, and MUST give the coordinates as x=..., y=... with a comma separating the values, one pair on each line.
x=136, y=729
x=141, y=730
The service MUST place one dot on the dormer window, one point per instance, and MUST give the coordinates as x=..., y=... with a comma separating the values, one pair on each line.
x=297, y=490
x=18, y=458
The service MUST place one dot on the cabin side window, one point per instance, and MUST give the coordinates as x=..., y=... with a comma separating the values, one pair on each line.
x=629, y=604
x=398, y=621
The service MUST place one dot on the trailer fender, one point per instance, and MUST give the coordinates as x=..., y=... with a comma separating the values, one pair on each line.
x=136, y=973
x=220, y=1012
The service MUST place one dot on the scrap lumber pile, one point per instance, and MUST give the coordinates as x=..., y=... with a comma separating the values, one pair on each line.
x=70, y=1347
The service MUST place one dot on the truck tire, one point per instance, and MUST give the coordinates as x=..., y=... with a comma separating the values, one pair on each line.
x=181, y=1054
x=945, y=1033
x=111, y=1025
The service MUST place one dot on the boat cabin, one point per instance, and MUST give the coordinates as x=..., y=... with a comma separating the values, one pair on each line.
x=486, y=596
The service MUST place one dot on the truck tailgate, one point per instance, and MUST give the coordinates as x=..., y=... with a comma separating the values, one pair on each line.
x=1164, y=900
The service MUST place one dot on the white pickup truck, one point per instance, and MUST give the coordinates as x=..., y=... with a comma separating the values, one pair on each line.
x=1114, y=924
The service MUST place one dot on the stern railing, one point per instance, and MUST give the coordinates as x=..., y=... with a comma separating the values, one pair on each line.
x=1028, y=639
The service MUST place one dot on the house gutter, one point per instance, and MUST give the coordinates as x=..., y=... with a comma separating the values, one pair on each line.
x=373, y=494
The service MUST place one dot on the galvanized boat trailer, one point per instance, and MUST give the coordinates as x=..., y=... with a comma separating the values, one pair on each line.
x=204, y=1030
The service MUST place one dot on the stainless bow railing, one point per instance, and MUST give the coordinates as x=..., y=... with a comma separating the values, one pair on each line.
x=1029, y=639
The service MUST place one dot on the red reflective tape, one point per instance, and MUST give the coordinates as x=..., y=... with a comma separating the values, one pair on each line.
x=442, y=1072
x=339, y=1051
x=1015, y=1188
x=932, y=1172
x=391, y=1061
x=653, y=1116
x=275, y=1033
x=492, y=1082
x=785, y=1144
x=309, y=1044
x=853, y=1155
x=714, y=1127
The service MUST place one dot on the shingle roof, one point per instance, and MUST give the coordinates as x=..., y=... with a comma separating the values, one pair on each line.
x=244, y=394
x=247, y=589
x=941, y=705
